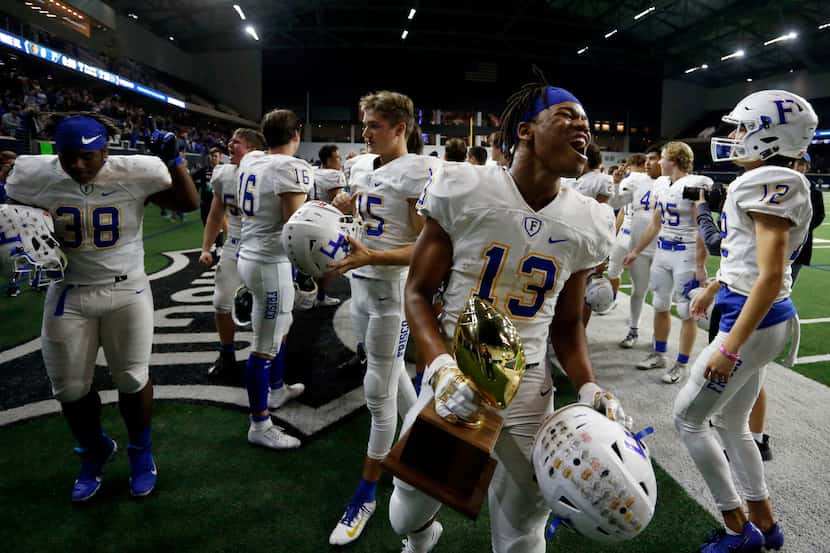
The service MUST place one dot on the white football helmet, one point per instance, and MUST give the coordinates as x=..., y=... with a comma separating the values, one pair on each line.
x=243, y=304
x=314, y=237
x=28, y=247
x=769, y=123
x=705, y=321
x=599, y=295
x=305, y=292
x=594, y=474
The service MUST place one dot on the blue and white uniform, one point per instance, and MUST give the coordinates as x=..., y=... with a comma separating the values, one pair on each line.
x=224, y=184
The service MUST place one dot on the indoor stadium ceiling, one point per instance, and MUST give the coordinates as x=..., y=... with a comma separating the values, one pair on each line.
x=640, y=35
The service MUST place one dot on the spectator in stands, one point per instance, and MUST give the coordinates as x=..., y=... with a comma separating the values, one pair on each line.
x=201, y=178
x=455, y=150
x=817, y=200
x=10, y=121
x=477, y=155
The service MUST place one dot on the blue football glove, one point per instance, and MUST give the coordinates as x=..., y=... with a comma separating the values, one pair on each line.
x=689, y=286
x=164, y=145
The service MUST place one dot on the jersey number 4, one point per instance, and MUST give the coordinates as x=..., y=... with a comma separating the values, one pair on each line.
x=540, y=271
x=103, y=229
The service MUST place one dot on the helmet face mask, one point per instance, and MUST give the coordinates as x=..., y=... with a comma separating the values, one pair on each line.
x=767, y=123
x=243, y=303
x=28, y=249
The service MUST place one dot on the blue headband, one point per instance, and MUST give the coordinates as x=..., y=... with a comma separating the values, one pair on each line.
x=551, y=97
x=80, y=133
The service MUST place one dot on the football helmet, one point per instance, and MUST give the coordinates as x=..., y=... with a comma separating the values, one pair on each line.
x=598, y=294
x=305, y=292
x=315, y=236
x=28, y=247
x=768, y=123
x=594, y=474
x=243, y=304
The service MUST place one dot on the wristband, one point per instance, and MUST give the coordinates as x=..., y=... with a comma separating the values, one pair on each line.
x=734, y=357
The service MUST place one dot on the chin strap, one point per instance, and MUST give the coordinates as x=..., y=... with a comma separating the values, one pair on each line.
x=647, y=431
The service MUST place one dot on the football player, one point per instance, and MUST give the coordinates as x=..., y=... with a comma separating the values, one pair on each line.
x=97, y=202
x=224, y=184
x=328, y=178
x=636, y=202
x=764, y=223
x=270, y=188
x=593, y=182
x=519, y=241
x=680, y=258
x=386, y=186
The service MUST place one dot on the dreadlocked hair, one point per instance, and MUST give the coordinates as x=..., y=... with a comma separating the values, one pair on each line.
x=518, y=104
x=54, y=118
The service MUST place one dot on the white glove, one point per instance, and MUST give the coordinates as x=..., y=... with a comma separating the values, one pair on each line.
x=455, y=399
x=605, y=402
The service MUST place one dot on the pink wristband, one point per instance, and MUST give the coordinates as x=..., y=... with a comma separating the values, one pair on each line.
x=734, y=357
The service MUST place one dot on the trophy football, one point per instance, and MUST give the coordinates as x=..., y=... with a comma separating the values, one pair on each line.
x=451, y=461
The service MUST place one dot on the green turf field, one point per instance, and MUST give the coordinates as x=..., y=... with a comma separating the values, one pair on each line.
x=216, y=493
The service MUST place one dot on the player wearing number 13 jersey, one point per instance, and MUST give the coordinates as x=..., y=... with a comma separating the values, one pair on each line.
x=97, y=203
x=517, y=239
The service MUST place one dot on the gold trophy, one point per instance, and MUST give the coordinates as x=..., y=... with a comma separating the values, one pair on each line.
x=451, y=460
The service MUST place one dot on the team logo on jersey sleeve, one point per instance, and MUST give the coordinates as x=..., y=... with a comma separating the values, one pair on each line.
x=532, y=226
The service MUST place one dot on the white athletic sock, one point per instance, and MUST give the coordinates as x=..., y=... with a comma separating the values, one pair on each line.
x=759, y=436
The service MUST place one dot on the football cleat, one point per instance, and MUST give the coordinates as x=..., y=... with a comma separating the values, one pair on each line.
x=327, y=301
x=435, y=530
x=272, y=437
x=630, y=339
x=774, y=537
x=143, y=470
x=764, y=448
x=653, y=361
x=92, y=469
x=353, y=522
x=279, y=397
x=751, y=540
x=674, y=374
x=225, y=364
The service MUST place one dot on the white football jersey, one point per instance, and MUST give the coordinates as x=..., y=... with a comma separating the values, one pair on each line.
x=636, y=191
x=678, y=222
x=506, y=253
x=224, y=183
x=262, y=178
x=349, y=164
x=325, y=180
x=99, y=224
x=595, y=184
x=383, y=196
x=772, y=190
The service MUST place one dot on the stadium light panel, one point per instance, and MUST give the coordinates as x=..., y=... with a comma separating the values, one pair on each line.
x=133, y=16
x=735, y=54
x=824, y=26
x=749, y=79
x=239, y=11
x=644, y=13
x=171, y=38
x=404, y=34
x=251, y=31
x=581, y=51
x=609, y=34
x=704, y=66
x=788, y=36
x=411, y=13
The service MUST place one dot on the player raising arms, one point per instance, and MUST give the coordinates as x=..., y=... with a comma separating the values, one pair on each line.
x=680, y=257
x=386, y=186
x=516, y=239
x=97, y=202
x=270, y=188
x=764, y=223
x=224, y=183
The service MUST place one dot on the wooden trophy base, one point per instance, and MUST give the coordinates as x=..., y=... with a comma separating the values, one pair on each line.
x=447, y=461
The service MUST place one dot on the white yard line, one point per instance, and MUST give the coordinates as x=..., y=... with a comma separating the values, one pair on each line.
x=812, y=359
x=815, y=321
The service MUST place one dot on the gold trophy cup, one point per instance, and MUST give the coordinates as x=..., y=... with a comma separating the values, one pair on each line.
x=451, y=460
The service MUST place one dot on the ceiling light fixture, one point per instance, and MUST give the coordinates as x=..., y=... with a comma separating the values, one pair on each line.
x=239, y=11
x=735, y=54
x=404, y=34
x=411, y=13
x=644, y=13
x=788, y=36
x=822, y=27
x=582, y=51
x=251, y=31
x=609, y=34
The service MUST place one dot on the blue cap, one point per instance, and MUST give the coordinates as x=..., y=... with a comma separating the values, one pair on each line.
x=551, y=97
x=80, y=133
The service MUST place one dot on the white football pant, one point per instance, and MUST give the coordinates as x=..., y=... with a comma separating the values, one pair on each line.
x=728, y=406
x=380, y=324
x=272, y=291
x=670, y=271
x=640, y=272
x=227, y=278
x=518, y=512
x=79, y=319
